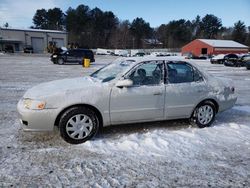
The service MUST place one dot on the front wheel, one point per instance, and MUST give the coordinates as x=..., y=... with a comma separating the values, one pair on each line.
x=204, y=114
x=78, y=124
x=60, y=61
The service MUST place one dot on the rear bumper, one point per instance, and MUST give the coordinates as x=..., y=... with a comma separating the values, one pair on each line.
x=227, y=104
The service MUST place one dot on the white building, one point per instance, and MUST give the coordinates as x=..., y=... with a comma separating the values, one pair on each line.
x=37, y=38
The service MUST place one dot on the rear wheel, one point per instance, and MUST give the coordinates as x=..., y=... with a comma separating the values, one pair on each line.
x=204, y=114
x=78, y=124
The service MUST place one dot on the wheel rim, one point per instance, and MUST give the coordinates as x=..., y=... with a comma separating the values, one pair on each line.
x=205, y=114
x=79, y=126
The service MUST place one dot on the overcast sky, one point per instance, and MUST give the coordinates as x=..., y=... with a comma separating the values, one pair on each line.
x=19, y=13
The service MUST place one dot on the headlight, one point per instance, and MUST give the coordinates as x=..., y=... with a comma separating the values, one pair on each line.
x=33, y=104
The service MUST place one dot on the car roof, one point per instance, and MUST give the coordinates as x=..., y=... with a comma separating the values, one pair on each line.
x=137, y=60
x=154, y=58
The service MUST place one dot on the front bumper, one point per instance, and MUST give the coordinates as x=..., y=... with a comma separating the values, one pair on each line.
x=36, y=120
x=53, y=60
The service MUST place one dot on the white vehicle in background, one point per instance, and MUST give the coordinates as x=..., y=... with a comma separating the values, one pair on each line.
x=129, y=90
x=136, y=53
x=101, y=51
x=218, y=59
x=159, y=54
x=123, y=53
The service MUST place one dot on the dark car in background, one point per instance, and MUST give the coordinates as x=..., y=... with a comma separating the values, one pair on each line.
x=231, y=60
x=245, y=58
x=234, y=60
x=9, y=49
x=139, y=54
x=28, y=49
x=247, y=65
x=72, y=56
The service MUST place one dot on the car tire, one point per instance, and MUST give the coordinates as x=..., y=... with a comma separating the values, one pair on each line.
x=60, y=61
x=78, y=124
x=204, y=114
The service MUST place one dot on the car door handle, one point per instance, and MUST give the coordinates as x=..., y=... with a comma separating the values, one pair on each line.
x=158, y=93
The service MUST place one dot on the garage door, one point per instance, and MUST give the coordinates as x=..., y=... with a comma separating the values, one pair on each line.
x=59, y=42
x=37, y=44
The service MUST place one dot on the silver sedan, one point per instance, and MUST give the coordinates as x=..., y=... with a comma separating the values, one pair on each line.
x=129, y=90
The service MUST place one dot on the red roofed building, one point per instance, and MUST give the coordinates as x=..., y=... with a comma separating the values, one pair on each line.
x=201, y=47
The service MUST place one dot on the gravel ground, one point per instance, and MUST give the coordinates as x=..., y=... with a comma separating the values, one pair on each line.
x=166, y=154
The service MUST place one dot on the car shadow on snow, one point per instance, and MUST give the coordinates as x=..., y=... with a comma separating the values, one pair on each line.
x=234, y=115
x=222, y=119
x=126, y=129
x=47, y=139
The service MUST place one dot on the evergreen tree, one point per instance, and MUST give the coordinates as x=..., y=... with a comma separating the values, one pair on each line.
x=140, y=29
x=210, y=26
x=239, y=32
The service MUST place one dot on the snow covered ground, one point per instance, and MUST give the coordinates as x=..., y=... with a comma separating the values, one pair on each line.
x=165, y=154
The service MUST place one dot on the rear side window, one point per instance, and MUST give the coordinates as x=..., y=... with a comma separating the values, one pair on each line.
x=89, y=53
x=78, y=53
x=84, y=53
x=181, y=72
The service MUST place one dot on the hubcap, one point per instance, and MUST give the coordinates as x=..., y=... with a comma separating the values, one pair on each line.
x=205, y=114
x=60, y=61
x=79, y=126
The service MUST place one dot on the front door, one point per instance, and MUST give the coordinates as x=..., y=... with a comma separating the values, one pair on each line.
x=144, y=101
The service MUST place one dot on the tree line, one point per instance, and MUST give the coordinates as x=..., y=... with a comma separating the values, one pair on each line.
x=94, y=28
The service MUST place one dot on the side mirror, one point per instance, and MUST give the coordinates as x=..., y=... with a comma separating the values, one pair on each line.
x=124, y=83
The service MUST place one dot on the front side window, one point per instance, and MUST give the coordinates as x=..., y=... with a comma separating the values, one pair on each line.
x=147, y=73
x=180, y=72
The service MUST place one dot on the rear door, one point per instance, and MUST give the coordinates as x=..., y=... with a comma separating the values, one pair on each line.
x=79, y=55
x=184, y=89
x=71, y=56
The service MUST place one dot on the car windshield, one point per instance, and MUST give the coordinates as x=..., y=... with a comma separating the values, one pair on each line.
x=112, y=70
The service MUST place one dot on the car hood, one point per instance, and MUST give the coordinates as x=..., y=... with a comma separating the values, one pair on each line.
x=61, y=87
